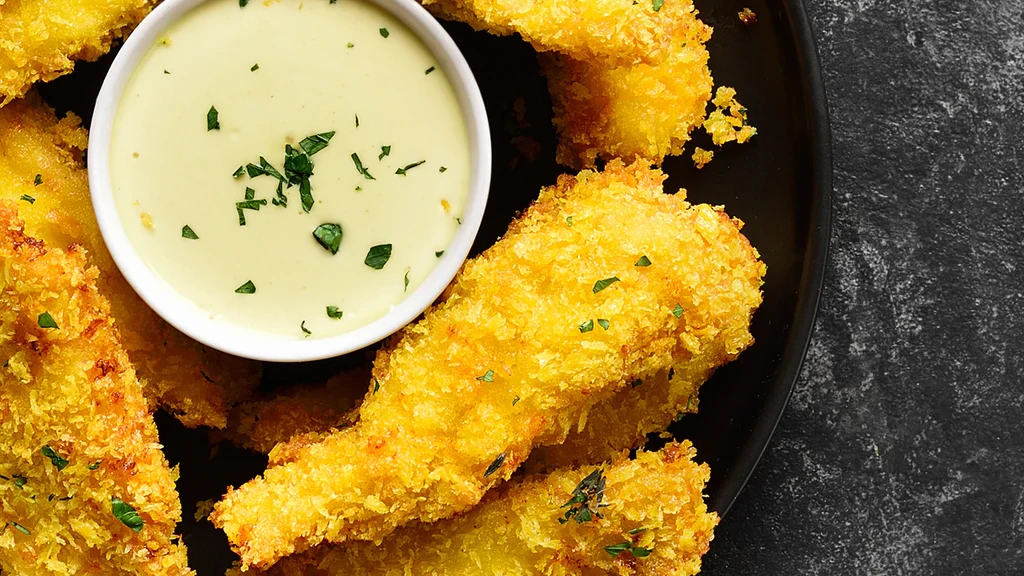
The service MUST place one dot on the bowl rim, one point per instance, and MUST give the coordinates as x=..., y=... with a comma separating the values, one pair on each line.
x=237, y=340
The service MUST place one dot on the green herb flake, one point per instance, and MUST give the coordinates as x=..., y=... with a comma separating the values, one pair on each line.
x=401, y=171
x=603, y=323
x=384, y=32
x=376, y=385
x=333, y=312
x=657, y=4
x=442, y=169
x=439, y=253
x=515, y=400
x=254, y=68
x=487, y=377
x=378, y=256
x=586, y=498
x=328, y=236
x=643, y=261
x=247, y=288
x=359, y=167
x=20, y=528
x=242, y=3
x=619, y=548
x=384, y=151
x=636, y=531
x=305, y=330
x=406, y=288
x=602, y=284
x=186, y=232
x=677, y=311
x=38, y=180
x=56, y=459
x=27, y=198
x=568, y=220
x=94, y=465
x=250, y=194
x=126, y=514
x=19, y=481
x=351, y=45
x=47, y=321
x=212, y=121
x=317, y=142
x=357, y=120
x=359, y=188
x=636, y=383
x=429, y=70
x=265, y=168
x=238, y=173
x=166, y=72
x=493, y=467
x=249, y=204
x=587, y=326
x=639, y=552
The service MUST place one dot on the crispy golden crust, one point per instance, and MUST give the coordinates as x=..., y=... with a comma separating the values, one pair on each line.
x=516, y=530
x=617, y=32
x=72, y=388
x=444, y=408
x=41, y=39
x=632, y=111
x=194, y=383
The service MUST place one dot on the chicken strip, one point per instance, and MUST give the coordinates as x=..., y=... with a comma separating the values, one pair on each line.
x=84, y=487
x=41, y=39
x=40, y=167
x=653, y=521
x=616, y=32
x=631, y=111
x=603, y=280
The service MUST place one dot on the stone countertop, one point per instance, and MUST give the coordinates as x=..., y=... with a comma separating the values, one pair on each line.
x=902, y=449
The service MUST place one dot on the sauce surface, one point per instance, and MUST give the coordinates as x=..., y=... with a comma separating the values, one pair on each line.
x=227, y=85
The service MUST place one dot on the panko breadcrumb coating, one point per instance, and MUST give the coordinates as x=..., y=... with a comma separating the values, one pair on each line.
x=76, y=430
x=517, y=530
x=196, y=384
x=701, y=157
x=616, y=32
x=550, y=321
x=632, y=111
x=728, y=122
x=41, y=39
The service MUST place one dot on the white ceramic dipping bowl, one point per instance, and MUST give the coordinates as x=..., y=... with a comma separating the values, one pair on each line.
x=239, y=340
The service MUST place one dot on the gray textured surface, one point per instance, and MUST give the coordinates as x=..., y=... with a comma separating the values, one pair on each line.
x=902, y=451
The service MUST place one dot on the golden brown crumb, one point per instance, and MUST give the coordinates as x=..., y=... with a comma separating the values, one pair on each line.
x=701, y=157
x=728, y=122
x=748, y=16
x=441, y=423
x=147, y=220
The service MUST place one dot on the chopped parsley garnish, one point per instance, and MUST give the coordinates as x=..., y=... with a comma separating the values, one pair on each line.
x=56, y=459
x=636, y=531
x=19, y=481
x=586, y=499
x=47, y=321
x=297, y=169
x=333, y=312
x=657, y=4
x=689, y=399
x=247, y=288
x=429, y=70
x=20, y=528
x=495, y=465
x=126, y=514
x=28, y=199
x=603, y=323
x=515, y=400
x=317, y=142
x=212, y=123
x=263, y=169
x=357, y=120
x=677, y=311
x=643, y=261
x=401, y=171
x=442, y=169
x=376, y=385
x=621, y=547
x=636, y=383
x=250, y=194
x=238, y=173
x=254, y=68
x=305, y=330
x=384, y=32
x=38, y=180
x=568, y=220
x=242, y=3
x=186, y=232
x=406, y=288
x=328, y=236
x=166, y=72
x=384, y=151
x=587, y=326
x=602, y=284
x=94, y=465
x=359, y=166
x=487, y=377
x=358, y=188
x=248, y=205
x=351, y=45
x=439, y=253
x=378, y=256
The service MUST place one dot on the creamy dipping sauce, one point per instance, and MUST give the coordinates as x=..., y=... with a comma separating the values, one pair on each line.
x=340, y=107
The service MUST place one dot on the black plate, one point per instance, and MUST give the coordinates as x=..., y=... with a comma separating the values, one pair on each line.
x=780, y=184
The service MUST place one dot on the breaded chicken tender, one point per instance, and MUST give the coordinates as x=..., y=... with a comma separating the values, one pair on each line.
x=40, y=168
x=556, y=317
x=631, y=111
x=616, y=32
x=84, y=487
x=653, y=504
x=41, y=39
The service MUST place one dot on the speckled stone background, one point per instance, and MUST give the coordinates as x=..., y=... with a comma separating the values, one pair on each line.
x=902, y=450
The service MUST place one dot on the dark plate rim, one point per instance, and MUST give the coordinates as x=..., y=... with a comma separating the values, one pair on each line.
x=816, y=258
